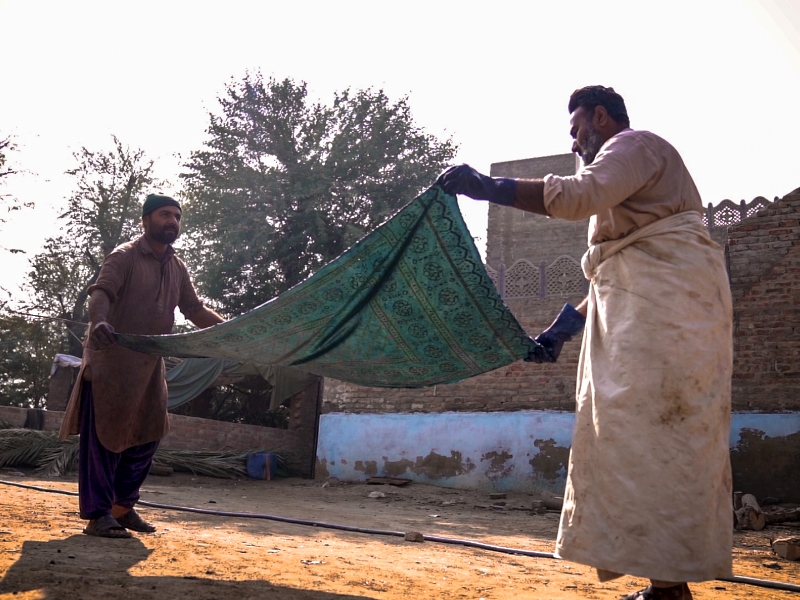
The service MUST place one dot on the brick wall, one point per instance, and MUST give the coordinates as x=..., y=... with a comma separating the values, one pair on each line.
x=18, y=417
x=513, y=234
x=764, y=259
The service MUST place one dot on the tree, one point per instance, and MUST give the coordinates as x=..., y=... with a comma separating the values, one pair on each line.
x=26, y=354
x=284, y=185
x=6, y=145
x=102, y=213
x=8, y=202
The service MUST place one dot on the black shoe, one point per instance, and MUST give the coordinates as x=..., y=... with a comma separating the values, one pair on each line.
x=106, y=526
x=676, y=592
x=131, y=520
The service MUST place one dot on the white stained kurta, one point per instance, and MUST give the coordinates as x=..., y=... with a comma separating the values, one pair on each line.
x=649, y=483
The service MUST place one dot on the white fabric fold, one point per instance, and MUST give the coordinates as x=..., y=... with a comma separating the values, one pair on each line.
x=649, y=483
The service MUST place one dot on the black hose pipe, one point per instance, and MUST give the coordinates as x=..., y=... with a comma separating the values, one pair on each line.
x=765, y=583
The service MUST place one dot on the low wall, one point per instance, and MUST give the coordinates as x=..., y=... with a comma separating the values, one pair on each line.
x=525, y=450
x=51, y=420
x=193, y=433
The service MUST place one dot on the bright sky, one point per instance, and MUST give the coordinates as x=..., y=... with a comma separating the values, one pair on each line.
x=720, y=79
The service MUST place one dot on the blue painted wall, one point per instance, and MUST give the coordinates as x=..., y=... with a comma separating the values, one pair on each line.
x=523, y=451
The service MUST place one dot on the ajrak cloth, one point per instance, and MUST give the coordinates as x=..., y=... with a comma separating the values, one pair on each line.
x=409, y=305
x=649, y=483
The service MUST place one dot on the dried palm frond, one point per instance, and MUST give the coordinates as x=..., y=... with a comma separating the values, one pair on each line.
x=24, y=447
x=218, y=464
x=13, y=438
x=51, y=457
x=60, y=460
x=213, y=464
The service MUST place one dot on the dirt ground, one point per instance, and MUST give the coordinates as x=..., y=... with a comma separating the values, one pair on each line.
x=44, y=555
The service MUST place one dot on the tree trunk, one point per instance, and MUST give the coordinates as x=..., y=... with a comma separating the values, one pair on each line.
x=750, y=515
x=783, y=516
x=200, y=406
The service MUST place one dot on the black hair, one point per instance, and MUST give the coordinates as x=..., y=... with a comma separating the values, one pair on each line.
x=592, y=96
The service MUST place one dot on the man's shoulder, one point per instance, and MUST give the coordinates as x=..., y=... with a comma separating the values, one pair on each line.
x=128, y=247
x=179, y=261
x=640, y=137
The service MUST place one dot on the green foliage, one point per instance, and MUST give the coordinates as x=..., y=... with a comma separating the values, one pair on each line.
x=102, y=213
x=8, y=203
x=284, y=185
x=27, y=348
x=245, y=402
x=6, y=145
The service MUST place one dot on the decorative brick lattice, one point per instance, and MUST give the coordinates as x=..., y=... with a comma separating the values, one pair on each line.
x=757, y=205
x=522, y=280
x=728, y=212
x=565, y=277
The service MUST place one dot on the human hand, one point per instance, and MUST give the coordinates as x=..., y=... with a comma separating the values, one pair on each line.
x=568, y=323
x=465, y=180
x=539, y=354
x=103, y=336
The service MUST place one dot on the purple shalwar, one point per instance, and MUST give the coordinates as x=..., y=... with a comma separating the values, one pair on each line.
x=106, y=478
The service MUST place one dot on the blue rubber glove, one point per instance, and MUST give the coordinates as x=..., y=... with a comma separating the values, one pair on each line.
x=465, y=180
x=568, y=323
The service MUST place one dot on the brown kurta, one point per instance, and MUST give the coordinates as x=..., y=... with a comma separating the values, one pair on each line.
x=130, y=392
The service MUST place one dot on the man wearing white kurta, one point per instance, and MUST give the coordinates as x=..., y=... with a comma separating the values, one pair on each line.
x=649, y=483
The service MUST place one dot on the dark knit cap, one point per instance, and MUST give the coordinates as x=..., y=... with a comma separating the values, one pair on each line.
x=156, y=201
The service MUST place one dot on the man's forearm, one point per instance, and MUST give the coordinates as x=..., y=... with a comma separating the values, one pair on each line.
x=581, y=308
x=102, y=333
x=99, y=306
x=529, y=196
x=205, y=317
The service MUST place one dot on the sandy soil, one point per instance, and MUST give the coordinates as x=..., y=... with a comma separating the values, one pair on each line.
x=44, y=555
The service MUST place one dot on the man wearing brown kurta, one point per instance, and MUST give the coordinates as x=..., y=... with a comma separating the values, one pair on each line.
x=119, y=406
x=653, y=391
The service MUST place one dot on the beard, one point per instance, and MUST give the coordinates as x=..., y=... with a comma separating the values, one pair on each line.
x=594, y=141
x=165, y=235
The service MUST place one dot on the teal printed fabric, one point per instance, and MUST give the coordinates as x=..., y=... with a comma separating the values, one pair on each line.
x=409, y=305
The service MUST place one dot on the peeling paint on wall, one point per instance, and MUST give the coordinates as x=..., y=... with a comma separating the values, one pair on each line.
x=368, y=468
x=552, y=461
x=525, y=450
x=464, y=450
x=322, y=469
x=499, y=465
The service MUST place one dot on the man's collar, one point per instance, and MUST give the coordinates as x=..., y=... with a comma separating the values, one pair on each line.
x=613, y=137
x=148, y=249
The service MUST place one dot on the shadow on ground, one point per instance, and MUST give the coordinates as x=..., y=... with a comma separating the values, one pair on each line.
x=59, y=569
